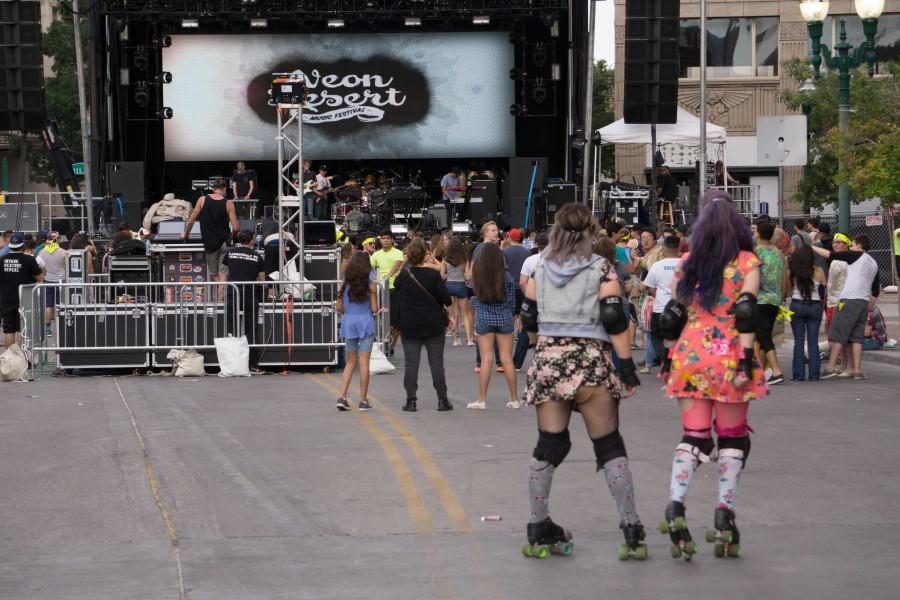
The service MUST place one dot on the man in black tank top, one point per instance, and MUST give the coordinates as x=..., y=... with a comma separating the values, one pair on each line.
x=215, y=214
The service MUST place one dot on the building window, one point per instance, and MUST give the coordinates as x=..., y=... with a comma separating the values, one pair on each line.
x=736, y=47
x=887, y=39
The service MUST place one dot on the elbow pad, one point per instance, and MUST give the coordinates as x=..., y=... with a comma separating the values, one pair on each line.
x=529, y=315
x=672, y=320
x=744, y=311
x=613, y=315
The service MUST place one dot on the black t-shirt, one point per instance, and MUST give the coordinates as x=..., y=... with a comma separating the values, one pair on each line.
x=16, y=269
x=244, y=264
x=242, y=181
x=669, y=189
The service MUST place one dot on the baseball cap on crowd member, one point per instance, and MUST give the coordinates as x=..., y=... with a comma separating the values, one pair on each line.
x=17, y=240
x=515, y=234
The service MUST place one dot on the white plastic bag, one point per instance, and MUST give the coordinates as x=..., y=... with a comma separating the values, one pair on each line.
x=234, y=356
x=186, y=363
x=13, y=364
x=300, y=289
x=378, y=362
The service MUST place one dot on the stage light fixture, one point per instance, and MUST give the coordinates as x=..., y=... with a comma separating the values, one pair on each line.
x=464, y=227
x=140, y=58
x=517, y=110
x=165, y=112
x=190, y=23
x=412, y=22
x=539, y=92
x=165, y=77
x=142, y=94
x=481, y=20
x=515, y=74
x=164, y=42
x=259, y=23
x=335, y=23
x=539, y=56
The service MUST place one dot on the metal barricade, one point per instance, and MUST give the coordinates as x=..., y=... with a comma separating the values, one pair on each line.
x=383, y=318
x=52, y=206
x=104, y=325
x=747, y=200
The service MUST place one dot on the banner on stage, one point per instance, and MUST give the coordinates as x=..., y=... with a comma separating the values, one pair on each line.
x=376, y=95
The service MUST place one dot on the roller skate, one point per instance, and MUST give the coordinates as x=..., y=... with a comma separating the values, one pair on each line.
x=546, y=538
x=633, y=548
x=683, y=545
x=725, y=536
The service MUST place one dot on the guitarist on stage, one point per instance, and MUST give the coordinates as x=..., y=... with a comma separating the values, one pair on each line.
x=322, y=189
x=308, y=182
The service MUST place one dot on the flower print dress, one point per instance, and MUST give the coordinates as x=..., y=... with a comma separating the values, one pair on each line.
x=706, y=357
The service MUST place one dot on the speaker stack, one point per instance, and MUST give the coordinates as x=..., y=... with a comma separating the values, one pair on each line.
x=21, y=66
x=651, y=61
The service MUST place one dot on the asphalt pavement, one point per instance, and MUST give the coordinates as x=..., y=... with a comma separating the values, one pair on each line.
x=207, y=488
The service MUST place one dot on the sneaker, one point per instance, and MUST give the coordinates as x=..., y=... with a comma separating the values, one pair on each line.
x=364, y=405
x=342, y=404
x=477, y=369
x=514, y=404
x=644, y=370
x=859, y=377
x=456, y=342
x=256, y=371
x=775, y=379
x=826, y=374
x=470, y=343
x=476, y=405
x=501, y=370
x=845, y=375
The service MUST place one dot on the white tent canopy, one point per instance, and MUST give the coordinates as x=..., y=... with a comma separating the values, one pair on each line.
x=685, y=131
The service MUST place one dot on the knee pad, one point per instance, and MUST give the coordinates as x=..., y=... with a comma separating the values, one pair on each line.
x=552, y=447
x=672, y=320
x=735, y=447
x=698, y=443
x=609, y=447
x=744, y=310
x=612, y=315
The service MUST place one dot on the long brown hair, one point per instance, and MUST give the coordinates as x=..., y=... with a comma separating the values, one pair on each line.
x=356, y=277
x=488, y=274
x=437, y=246
x=456, y=254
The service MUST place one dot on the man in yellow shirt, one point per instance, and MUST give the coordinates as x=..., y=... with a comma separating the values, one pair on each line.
x=388, y=261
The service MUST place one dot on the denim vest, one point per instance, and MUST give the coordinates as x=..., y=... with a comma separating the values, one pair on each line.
x=572, y=310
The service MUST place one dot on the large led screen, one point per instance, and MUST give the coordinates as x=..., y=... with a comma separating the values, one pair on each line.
x=372, y=96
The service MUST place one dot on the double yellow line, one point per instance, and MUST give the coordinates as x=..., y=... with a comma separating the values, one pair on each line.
x=418, y=512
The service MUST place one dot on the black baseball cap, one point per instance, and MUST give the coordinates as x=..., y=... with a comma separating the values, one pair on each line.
x=17, y=240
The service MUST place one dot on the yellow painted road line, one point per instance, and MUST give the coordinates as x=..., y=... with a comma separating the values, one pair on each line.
x=417, y=511
x=446, y=496
x=154, y=491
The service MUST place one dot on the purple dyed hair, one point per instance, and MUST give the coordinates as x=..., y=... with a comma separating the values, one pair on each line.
x=719, y=234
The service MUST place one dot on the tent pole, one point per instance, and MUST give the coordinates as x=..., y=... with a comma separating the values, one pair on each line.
x=702, y=186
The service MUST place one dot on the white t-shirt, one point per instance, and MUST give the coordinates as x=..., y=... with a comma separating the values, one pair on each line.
x=530, y=265
x=861, y=276
x=660, y=277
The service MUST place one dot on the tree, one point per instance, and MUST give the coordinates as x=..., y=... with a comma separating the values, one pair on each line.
x=604, y=81
x=60, y=95
x=871, y=149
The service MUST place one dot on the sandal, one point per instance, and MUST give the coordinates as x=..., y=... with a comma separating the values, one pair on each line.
x=476, y=405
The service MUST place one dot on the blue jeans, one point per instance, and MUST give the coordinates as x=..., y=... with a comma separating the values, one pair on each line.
x=309, y=205
x=805, y=324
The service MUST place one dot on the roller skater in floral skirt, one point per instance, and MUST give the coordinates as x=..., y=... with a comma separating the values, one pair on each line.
x=711, y=320
x=574, y=303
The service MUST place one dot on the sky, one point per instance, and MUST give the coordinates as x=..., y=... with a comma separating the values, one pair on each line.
x=604, y=32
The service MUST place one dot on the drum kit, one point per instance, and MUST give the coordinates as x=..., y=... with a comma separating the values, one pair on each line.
x=368, y=200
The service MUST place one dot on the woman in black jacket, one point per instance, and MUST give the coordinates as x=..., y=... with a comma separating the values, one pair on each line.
x=423, y=322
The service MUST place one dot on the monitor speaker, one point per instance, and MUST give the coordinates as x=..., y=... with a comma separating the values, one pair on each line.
x=125, y=182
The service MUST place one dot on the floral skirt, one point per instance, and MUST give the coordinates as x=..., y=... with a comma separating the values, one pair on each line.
x=562, y=365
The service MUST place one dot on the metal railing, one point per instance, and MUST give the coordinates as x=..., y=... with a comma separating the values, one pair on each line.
x=747, y=199
x=50, y=206
x=104, y=325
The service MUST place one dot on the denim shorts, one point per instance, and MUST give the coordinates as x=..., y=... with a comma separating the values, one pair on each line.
x=360, y=344
x=458, y=289
x=484, y=329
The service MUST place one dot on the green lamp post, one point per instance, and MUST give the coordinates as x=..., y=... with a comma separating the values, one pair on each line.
x=814, y=12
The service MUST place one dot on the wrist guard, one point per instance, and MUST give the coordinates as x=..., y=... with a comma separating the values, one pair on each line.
x=666, y=367
x=628, y=373
x=529, y=314
x=748, y=363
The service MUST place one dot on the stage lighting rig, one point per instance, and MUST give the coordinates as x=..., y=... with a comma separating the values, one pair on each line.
x=164, y=77
x=141, y=94
x=288, y=88
x=165, y=113
x=141, y=60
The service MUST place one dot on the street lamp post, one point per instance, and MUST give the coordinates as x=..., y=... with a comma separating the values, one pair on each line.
x=808, y=87
x=814, y=12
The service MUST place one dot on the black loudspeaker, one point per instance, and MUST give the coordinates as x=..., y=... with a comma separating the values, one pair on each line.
x=319, y=234
x=651, y=61
x=482, y=200
x=557, y=195
x=515, y=191
x=21, y=66
x=125, y=181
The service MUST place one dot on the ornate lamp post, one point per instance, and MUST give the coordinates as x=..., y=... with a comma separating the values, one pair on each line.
x=808, y=88
x=814, y=12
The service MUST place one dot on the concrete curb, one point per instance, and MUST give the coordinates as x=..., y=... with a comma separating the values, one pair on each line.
x=884, y=357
